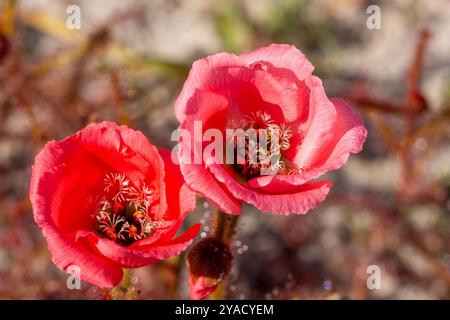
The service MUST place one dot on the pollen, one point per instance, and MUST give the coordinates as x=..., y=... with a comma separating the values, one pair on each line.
x=137, y=214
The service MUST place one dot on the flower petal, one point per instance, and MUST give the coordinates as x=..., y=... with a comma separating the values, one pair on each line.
x=281, y=56
x=127, y=151
x=281, y=87
x=138, y=255
x=319, y=129
x=202, y=107
x=180, y=199
x=349, y=136
x=288, y=200
x=49, y=184
x=202, y=181
x=201, y=76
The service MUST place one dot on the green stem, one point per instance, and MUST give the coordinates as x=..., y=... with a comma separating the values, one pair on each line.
x=219, y=293
x=124, y=290
x=126, y=282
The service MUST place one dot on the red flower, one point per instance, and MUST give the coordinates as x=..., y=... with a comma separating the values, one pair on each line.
x=270, y=88
x=106, y=199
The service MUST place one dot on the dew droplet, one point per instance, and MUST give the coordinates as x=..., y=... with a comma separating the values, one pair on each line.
x=203, y=234
x=421, y=144
x=327, y=285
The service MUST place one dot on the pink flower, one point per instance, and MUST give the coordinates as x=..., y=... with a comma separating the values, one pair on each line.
x=272, y=87
x=106, y=199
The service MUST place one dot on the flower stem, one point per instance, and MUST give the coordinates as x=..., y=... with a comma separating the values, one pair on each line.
x=225, y=226
x=126, y=282
x=220, y=293
x=220, y=225
x=224, y=231
x=125, y=289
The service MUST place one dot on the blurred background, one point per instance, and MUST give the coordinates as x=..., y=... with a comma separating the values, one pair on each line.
x=389, y=206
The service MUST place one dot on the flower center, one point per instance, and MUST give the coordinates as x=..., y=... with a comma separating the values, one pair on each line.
x=265, y=141
x=123, y=212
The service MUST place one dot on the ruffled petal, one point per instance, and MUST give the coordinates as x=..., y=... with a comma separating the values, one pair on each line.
x=49, y=184
x=93, y=268
x=202, y=106
x=284, y=66
x=288, y=200
x=180, y=198
x=203, y=72
x=139, y=255
x=202, y=181
x=318, y=131
x=281, y=56
x=126, y=151
x=282, y=88
x=349, y=136
x=264, y=88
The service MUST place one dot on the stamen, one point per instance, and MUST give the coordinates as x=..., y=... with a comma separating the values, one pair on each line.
x=118, y=184
x=111, y=225
x=265, y=154
x=259, y=120
x=123, y=212
x=141, y=197
x=285, y=137
x=132, y=232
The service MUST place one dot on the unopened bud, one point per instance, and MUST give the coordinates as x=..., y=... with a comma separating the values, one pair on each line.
x=209, y=262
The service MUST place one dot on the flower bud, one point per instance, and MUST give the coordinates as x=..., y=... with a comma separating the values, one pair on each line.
x=209, y=262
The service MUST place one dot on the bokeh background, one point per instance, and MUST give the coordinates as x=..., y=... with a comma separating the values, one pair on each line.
x=390, y=203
